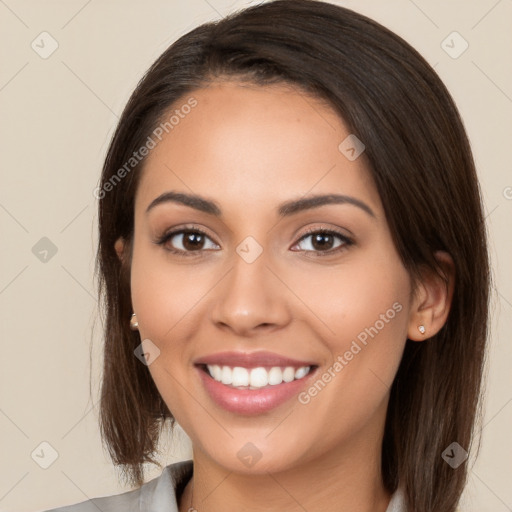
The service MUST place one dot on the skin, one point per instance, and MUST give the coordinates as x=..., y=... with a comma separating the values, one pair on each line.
x=250, y=148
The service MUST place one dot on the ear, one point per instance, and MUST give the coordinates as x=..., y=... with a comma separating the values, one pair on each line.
x=119, y=246
x=432, y=300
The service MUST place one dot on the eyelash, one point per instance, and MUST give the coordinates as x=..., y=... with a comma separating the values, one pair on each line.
x=347, y=242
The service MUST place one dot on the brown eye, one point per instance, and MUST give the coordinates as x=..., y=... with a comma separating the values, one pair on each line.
x=323, y=241
x=187, y=241
x=193, y=241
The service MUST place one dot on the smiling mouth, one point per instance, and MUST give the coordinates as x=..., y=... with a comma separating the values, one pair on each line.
x=238, y=377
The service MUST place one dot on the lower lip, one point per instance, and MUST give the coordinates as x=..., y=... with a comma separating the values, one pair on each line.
x=252, y=401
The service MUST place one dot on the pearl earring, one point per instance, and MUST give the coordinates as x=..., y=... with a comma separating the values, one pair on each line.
x=422, y=329
x=134, y=325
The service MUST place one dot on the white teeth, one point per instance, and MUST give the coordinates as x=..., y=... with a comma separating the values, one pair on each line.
x=217, y=372
x=288, y=374
x=256, y=378
x=240, y=376
x=301, y=372
x=275, y=376
x=226, y=375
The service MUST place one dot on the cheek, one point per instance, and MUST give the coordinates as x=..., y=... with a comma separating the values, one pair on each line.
x=363, y=309
x=349, y=299
x=164, y=296
x=367, y=308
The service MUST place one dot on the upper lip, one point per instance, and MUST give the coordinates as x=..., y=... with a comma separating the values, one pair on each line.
x=250, y=360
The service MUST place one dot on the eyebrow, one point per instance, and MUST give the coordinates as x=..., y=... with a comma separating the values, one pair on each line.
x=285, y=209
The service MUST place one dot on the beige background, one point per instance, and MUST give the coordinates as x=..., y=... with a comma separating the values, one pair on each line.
x=57, y=116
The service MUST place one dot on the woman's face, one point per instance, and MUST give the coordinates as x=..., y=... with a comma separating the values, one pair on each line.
x=262, y=290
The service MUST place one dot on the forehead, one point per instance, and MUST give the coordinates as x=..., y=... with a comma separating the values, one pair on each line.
x=251, y=143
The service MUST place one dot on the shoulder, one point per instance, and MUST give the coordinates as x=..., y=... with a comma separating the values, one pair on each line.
x=155, y=495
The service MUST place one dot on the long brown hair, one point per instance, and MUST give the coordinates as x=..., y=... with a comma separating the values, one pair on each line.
x=422, y=165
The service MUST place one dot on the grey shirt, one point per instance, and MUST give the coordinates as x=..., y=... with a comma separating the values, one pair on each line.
x=161, y=495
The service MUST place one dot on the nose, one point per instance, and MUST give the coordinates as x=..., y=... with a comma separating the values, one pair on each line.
x=251, y=299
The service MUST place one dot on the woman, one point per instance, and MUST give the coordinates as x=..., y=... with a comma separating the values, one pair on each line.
x=294, y=268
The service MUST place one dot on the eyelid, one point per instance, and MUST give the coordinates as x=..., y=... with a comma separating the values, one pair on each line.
x=325, y=229
x=322, y=226
x=184, y=228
